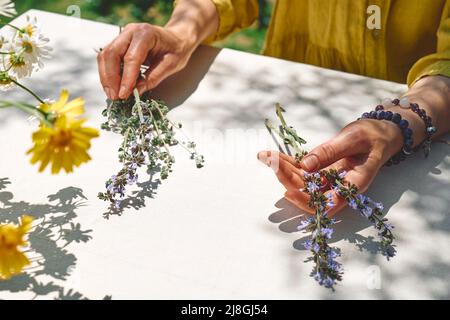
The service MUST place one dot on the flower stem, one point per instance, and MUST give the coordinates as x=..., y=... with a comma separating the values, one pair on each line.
x=28, y=109
x=12, y=26
x=29, y=91
x=178, y=128
x=138, y=105
x=287, y=142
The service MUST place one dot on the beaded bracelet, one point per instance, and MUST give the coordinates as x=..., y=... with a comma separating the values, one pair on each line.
x=408, y=142
x=430, y=129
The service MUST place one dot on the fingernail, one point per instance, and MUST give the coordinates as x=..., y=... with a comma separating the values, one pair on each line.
x=123, y=92
x=264, y=158
x=310, y=163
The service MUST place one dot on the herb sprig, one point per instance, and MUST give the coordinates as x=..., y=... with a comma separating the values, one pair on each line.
x=148, y=136
x=319, y=186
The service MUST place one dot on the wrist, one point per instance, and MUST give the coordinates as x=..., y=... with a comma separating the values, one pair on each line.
x=411, y=123
x=185, y=33
x=194, y=21
x=390, y=139
x=415, y=124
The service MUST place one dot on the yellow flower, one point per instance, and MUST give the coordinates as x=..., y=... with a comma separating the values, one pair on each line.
x=12, y=260
x=71, y=109
x=64, y=145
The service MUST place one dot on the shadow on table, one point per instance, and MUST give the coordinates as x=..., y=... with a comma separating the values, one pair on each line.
x=137, y=199
x=423, y=177
x=250, y=88
x=53, y=232
x=176, y=89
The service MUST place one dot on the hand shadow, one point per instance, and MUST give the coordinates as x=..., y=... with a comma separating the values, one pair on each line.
x=176, y=89
x=53, y=231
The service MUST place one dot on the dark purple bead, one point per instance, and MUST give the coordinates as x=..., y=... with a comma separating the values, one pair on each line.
x=407, y=132
x=402, y=157
x=414, y=107
x=388, y=163
x=403, y=123
x=421, y=112
x=396, y=118
x=409, y=142
x=396, y=102
x=365, y=115
x=380, y=115
x=389, y=115
x=379, y=108
x=395, y=160
x=373, y=114
x=429, y=121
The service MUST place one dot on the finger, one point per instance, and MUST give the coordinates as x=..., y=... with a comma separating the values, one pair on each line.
x=363, y=172
x=291, y=160
x=299, y=199
x=268, y=157
x=157, y=73
x=344, y=145
x=337, y=203
x=286, y=173
x=289, y=175
x=264, y=155
x=109, y=63
x=134, y=58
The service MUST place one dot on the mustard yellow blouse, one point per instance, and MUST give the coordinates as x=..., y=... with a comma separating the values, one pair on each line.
x=413, y=42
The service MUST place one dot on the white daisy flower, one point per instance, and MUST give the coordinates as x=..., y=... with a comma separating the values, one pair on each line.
x=7, y=8
x=32, y=43
x=32, y=27
x=33, y=49
x=17, y=64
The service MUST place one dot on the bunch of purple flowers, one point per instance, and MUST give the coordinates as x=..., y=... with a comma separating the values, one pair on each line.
x=320, y=187
x=147, y=137
x=371, y=210
x=327, y=270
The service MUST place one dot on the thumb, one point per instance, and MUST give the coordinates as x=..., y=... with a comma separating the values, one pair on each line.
x=329, y=152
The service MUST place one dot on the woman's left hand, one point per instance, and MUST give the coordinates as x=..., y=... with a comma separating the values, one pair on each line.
x=361, y=149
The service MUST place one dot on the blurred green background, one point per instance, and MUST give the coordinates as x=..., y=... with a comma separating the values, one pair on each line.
x=121, y=12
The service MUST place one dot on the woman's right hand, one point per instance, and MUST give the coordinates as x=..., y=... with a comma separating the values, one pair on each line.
x=163, y=50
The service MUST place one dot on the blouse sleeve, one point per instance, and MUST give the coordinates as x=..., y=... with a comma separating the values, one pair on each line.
x=233, y=16
x=437, y=63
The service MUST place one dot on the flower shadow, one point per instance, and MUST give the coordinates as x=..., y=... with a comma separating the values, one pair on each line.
x=53, y=233
x=137, y=199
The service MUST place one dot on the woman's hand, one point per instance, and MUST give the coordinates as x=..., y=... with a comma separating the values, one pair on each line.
x=164, y=50
x=361, y=149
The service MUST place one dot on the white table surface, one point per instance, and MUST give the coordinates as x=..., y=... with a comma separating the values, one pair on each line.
x=225, y=231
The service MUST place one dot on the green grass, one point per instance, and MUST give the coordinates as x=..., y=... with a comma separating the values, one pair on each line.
x=122, y=12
